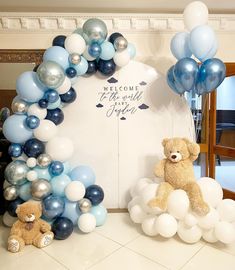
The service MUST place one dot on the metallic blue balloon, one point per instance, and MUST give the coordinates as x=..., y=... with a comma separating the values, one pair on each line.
x=52, y=207
x=172, y=83
x=15, y=150
x=69, y=96
x=62, y=228
x=199, y=89
x=56, y=168
x=51, y=95
x=34, y=148
x=185, y=73
x=32, y=121
x=55, y=115
x=43, y=103
x=59, y=41
x=95, y=194
x=106, y=67
x=71, y=72
x=92, y=67
x=211, y=74
x=94, y=50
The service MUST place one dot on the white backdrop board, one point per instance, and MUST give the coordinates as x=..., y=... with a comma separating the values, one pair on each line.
x=117, y=125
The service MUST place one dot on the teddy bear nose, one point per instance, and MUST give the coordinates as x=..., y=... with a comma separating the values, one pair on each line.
x=173, y=156
x=29, y=216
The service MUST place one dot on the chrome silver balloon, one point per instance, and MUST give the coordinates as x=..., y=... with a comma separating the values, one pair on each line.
x=16, y=171
x=51, y=74
x=84, y=205
x=19, y=106
x=120, y=44
x=10, y=193
x=74, y=58
x=40, y=189
x=94, y=30
x=44, y=160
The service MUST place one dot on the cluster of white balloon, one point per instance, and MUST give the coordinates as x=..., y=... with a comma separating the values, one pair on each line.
x=217, y=225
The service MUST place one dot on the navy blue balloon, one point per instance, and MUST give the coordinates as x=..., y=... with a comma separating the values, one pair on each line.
x=36, y=68
x=51, y=95
x=59, y=41
x=69, y=96
x=185, y=73
x=211, y=74
x=52, y=207
x=32, y=121
x=33, y=148
x=106, y=67
x=114, y=36
x=43, y=103
x=71, y=72
x=172, y=83
x=95, y=194
x=11, y=206
x=15, y=150
x=55, y=115
x=56, y=168
x=94, y=50
x=62, y=228
x=92, y=67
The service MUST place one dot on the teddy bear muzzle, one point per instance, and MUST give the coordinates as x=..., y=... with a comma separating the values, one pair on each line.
x=175, y=157
x=30, y=218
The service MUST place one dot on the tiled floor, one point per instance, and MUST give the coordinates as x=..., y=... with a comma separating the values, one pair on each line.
x=118, y=245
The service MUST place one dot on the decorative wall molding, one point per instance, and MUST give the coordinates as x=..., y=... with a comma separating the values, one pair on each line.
x=47, y=22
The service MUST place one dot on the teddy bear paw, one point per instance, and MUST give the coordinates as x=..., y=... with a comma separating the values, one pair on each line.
x=13, y=245
x=202, y=209
x=157, y=203
x=46, y=240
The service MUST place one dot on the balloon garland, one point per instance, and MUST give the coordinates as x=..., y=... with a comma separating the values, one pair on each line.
x=187, y=74
x=40, y=169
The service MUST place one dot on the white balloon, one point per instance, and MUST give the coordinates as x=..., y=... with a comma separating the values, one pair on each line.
x=65, y=86
x=45, y=131
x=211, y=190
x=87, y=223
x=190, y=220
x=225, y=232
x=122, y=58
x=139, y=186
x=209, y=236
x=36, y=110
x=137, y=214
x=75, y=43
x=178, y=203
x=32, y=175
x=8, y=220
x=87, y=56
x=209, y=220
x=166, y=225
x=60, y=148
x=31, y=162
x=149, y=227
x=195, y=13
x=75, y=191
x=226, y=210
x=189, y=235
x=135, y=200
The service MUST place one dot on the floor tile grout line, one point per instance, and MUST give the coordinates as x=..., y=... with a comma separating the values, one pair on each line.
x=53, y=258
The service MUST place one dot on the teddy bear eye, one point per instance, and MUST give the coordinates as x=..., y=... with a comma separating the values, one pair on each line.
x=170, y=152
x=178, y=151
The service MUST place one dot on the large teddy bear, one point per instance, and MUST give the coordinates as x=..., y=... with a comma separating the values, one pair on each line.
x=177, y=171
x=29, y=229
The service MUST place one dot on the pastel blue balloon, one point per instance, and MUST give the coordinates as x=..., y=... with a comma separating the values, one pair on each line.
x=172, y=83
x=59, y=183
x=212, y=52
x=185, y=73
x=58, y=55
x=15, y=129
x=82, y=67
x=42, y=173
x=71, y=211
x=83, y=174
x=180, y=45
x=29, y=88
x=107, y=50
x=25, y=191
x=201, y=41
x=54, y=105
x=67, y=167
x=131, y=50
x=100, y=214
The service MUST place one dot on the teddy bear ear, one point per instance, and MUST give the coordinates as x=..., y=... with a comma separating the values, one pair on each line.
x=165, y=141
x=18, y=209
x=186, y=140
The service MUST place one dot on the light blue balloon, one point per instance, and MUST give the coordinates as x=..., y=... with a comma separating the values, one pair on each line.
x=42, y=173
x=29, y=88
x=83, y=174
x=172, y=83
x=25, y=191
x=67, y=167
x=100, y=214
x=180, y=45
x=82, y=67
x=131, y=50
x=107, y=50
x=54, y=105
x=59, y=183
x=71, y=211
x=15, y=129
x=58, y=55
x=212, y=52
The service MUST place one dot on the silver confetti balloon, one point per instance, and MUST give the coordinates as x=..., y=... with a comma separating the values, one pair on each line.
x=40, y=189
x=19, y=106
x=10, y=193
x=51, y=74
x=44, y=160
x=94, y=30
x=74, y=58
x=84, y=205
x=16, y=171
x=120, y=44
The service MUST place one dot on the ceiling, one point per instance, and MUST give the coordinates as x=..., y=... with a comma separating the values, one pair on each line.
x=104, y=6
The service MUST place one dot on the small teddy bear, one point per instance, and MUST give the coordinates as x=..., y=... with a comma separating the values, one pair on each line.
x=29, y=229
x=177, y=171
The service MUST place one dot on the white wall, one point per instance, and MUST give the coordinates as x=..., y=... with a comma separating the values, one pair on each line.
x=226, y=94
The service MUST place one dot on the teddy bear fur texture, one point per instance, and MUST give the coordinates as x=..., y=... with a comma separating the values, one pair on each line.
x=177, y=171
x=29, y=229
